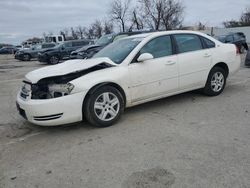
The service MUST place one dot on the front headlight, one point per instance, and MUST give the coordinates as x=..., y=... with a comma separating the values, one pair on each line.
x=60, y=90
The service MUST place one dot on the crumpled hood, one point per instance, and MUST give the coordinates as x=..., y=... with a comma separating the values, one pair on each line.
x=67, y=67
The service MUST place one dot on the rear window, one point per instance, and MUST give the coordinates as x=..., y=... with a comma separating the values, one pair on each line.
x=60, y=39
x=208, y=43
x=188, y=42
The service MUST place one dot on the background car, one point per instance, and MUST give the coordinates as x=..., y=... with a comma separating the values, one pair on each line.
x=128, y=72
x=8, y=50
x=61, y=52
x=31, y=53
x=91, y=50
x=247, y=61
x=239, y=39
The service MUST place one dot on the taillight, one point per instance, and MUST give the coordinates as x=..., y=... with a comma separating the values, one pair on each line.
x=237, y=50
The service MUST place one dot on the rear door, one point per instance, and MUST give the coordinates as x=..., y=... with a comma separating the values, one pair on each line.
x=67, y=50
x=194, y=61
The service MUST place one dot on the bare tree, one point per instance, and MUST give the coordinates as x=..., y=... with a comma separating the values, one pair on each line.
x=152, y=12
x=73, y=33
x=136, y=20
x=108, y=27
x=243, y=21
x=171, y=14
x=245, y=18
x=80, y=32
x=88, y=32
x=201, y=26
x=97, y=28
x=163, y=14
x=119, y=12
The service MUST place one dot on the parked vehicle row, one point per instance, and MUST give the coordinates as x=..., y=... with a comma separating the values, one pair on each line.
x=31, y=53
x=61, y=51
x=128, y=72
x=8, y=50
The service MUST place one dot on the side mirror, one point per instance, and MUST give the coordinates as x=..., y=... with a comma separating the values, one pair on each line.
x=144, y=57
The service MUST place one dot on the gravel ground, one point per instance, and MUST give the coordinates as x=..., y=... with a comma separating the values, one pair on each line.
x=188, y=140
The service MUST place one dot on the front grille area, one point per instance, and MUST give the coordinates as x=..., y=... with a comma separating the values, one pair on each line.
x=48, y=118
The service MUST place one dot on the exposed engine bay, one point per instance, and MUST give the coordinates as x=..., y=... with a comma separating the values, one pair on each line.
x=57, y=86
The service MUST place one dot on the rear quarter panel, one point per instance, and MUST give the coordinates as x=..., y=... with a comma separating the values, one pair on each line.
x=226, y=53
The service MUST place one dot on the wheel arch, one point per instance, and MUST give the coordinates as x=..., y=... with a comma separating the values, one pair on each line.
x=97, y=86
x=224, y=66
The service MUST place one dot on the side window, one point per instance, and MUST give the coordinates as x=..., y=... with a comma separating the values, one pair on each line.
x=188, y=43
x=229, y=38
x=68, y=44
x=59, y=38
x=83, y=43
x=208, y=43
x=158, y=47
x=78, y=43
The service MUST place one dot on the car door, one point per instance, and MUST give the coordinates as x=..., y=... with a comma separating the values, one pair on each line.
x=194, y=61
x=67, y=50
x=155, y=77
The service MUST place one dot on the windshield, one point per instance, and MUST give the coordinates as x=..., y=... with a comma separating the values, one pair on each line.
x=119, y=50
x=104, y=40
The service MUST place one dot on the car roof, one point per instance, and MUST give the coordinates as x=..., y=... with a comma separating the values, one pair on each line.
x=159, y=33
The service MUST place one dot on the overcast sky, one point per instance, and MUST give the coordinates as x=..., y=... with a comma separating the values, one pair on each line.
x=21, y=19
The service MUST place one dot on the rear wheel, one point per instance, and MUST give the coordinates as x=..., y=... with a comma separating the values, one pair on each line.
x=104, y=106
x=26, y=57
x=54, y=60
x=242, y=49
x=216, y=82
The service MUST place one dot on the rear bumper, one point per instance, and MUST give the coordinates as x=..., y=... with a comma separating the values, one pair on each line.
x=52, y=112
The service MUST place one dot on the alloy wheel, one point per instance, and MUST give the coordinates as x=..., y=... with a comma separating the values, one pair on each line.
x=54, y=60
x=217, y=82
x=107, y=106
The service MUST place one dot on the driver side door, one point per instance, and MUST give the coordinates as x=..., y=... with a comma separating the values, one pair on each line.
x=156, y=77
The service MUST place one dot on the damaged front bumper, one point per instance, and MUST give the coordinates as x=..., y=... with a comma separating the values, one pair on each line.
x=52, y=112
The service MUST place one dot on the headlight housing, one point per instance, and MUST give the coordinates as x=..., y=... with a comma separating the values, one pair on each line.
x=60, y=90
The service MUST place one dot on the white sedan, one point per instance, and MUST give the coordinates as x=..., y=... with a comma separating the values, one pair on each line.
x=128, y=72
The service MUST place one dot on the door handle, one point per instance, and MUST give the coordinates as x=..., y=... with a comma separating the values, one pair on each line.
x=170, y=63
x=207, y=55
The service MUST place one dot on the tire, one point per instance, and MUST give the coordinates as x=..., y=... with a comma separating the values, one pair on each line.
x=242, y=49
x=54, y=60
x=98, y=108
x=26, y=57
x=216, y=82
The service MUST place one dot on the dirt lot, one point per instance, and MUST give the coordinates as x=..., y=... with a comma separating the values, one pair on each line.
x=183, y=141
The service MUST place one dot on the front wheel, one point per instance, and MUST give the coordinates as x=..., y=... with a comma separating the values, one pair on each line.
x=54, y=60
x=26, y=57
x=104, y=106
x=216, y=82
